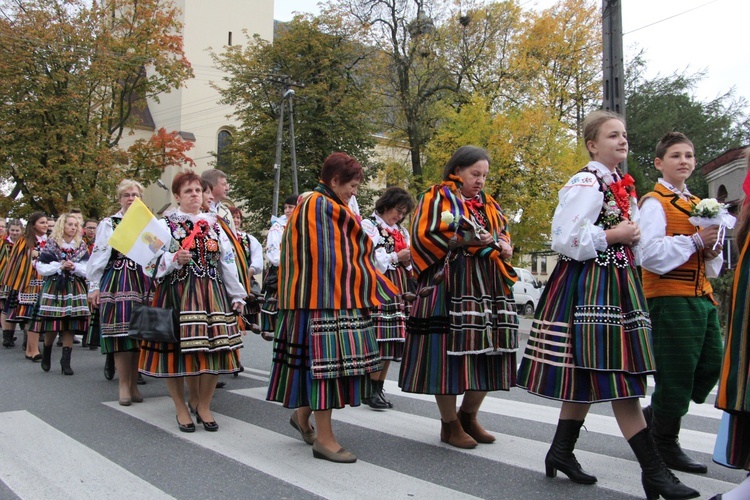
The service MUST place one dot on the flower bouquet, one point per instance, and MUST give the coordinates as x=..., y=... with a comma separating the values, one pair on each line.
x=471, y=230
x=709, y=212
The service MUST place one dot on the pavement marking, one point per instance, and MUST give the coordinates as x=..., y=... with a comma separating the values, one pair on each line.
x=38, y=461
x=614, y=473
x=290, y=460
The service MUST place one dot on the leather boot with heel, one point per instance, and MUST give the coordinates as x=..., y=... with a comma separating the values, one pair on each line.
x=656, y=478
x=560, y=455
x=65, y=361
x=46, y=357
x=665, y=431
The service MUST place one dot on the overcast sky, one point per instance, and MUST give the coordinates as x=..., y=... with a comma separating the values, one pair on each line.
x=677, y=35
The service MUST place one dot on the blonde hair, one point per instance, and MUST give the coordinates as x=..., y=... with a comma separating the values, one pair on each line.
x=59, y=230
x=127, y=184
x=593, y=122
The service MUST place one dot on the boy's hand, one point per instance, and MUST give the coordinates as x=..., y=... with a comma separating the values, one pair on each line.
x=712, y=254
x=709, y=235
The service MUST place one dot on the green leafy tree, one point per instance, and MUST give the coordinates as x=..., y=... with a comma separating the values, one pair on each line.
x=72, y=79
x=332, y=112
x=663, y=104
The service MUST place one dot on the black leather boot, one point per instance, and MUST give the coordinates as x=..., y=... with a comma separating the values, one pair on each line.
x=656, y=478
x=8, y=339
x=665, y=431
x=65, y=361
x=560, y=455
x=109, y=366
x=376, y=402
x=46, y=357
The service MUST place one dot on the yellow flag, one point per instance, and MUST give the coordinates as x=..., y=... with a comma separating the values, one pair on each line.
x=139, y=236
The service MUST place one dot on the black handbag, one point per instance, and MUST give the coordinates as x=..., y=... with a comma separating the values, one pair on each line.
x=154, y=324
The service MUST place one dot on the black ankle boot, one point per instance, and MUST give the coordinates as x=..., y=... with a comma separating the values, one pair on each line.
x=560, y=455
x=665, y=431
x=8, y=339
x=65, y=361
x=376, y=402
x=656, y=478
x=46, y=357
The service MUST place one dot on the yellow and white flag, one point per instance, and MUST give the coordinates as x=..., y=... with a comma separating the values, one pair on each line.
x=139, y=236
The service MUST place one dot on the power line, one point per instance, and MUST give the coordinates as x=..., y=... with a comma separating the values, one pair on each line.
x=670, y=17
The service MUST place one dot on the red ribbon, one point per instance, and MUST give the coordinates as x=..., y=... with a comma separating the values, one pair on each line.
x=200, y=227
x=398, y=239
x=474, y=203
x=622, y=190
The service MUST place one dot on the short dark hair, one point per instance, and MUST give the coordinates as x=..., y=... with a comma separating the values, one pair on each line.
x=206, y=185
x=669, y=140
x=394, y=197
x=465, y=156
x=90, y=220
x=183, y=178
x=341, y=166
x=291, y=200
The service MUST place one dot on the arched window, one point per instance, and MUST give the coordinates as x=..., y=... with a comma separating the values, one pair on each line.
x=224, y=140
x=721, y=194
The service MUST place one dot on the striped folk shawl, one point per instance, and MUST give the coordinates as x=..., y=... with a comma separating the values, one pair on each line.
x=327, y=259
x=430, y=235
x=19, y=271
x=240, y=257
x=734, y=384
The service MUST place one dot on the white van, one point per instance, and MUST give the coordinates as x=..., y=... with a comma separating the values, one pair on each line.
x=526, y=291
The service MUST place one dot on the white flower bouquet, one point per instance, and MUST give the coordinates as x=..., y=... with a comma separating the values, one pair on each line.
x=709, y=212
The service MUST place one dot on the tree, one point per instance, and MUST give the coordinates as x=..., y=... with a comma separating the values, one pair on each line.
x=663, y=104
x=332, y=112
x=73, y=76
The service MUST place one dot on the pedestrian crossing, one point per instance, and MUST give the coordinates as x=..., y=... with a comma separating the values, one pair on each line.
x=282, y=456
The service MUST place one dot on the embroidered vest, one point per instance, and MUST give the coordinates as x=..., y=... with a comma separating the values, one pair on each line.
x=689, y=279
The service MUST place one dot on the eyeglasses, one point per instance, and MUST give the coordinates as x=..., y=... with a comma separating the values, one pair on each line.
x=402, y=211
x=90, y=228
x=130, y=195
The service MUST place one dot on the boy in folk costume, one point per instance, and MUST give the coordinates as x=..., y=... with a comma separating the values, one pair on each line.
x=678, y=258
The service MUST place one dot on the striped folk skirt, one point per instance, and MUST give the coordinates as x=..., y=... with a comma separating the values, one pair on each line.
x=590, y=339
x=464, y=334
x=209, y=337
x=20, y=304
x=62, y=305
x=389, y=319
x=322, y=358
x=122, y=285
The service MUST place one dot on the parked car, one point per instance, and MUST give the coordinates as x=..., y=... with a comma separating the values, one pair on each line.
x=526, y=291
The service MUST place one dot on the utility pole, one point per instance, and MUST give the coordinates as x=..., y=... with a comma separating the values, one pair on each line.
x=287, y=96
x=613, y=66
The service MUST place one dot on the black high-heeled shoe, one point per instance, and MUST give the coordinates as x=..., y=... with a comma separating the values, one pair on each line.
x=192, y=409
x=209, y=426
x=185, y=427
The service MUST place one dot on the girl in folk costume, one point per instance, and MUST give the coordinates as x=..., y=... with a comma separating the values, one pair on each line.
x=463, y=327
x=5, y=247
x=325, y=345
x=198, y=277
x=23, y=280
x=393, y=258
x=116, y=283
x=591, y=337
x=62, y=306
x=253, y=252
x=269, y=309
x=733, y=395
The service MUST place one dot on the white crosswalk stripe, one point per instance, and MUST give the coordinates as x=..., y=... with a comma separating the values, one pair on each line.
x=275, y=454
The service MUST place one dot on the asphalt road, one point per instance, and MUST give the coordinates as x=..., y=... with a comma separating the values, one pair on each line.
x=66, y=437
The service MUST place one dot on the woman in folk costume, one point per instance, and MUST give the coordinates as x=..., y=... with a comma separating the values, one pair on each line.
x=116, y=283
x=462, y=332
x=62, y=307
x=325, y=345
x=733, y=395
x=591, y=336
x=269, y=310
x=23, y=280
x=6, y=244
x=198, y=277
x=253, y=252
x=393, y=258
